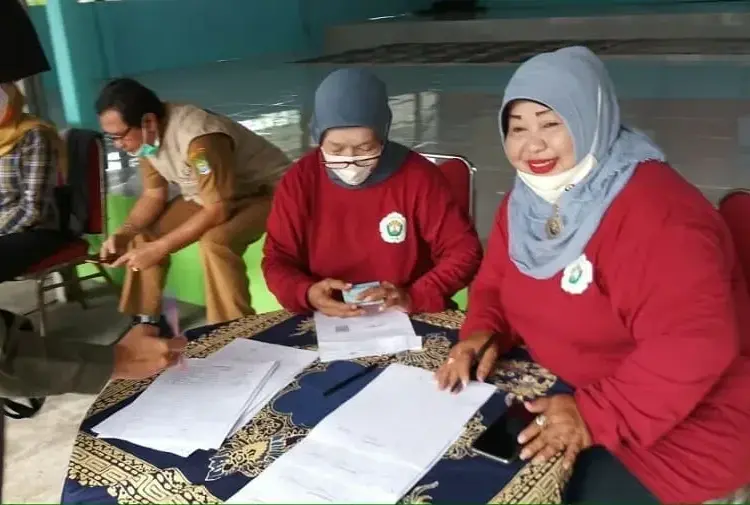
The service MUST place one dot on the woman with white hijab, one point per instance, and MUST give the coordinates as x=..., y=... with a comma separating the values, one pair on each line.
x=621, y=279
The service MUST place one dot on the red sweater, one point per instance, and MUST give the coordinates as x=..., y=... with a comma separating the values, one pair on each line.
x=318, y=230
x=657, y=347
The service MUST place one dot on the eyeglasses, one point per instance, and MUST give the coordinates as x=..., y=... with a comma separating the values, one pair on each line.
x=339, y=165
x=118, y=136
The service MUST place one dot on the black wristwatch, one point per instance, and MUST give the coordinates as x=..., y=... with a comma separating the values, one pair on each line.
x=143, y=319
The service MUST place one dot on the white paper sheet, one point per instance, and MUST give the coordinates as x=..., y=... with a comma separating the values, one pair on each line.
x=375, y=447
x=292, y=362
x=386, y=332
x=190, y=408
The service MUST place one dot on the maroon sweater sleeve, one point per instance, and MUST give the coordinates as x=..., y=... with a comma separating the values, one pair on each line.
x=453, y=243
x=674, y=290
x=485, y=312
x=284, y=260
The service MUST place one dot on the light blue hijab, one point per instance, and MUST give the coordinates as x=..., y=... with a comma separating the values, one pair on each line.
x=357, y=97
x=574, y=83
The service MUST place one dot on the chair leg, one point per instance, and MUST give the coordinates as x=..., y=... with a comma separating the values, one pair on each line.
x=106, y=276
x=72, y=285
x=42, y=307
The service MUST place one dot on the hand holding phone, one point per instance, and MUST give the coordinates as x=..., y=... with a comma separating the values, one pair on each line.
x=499, y=441
x=353, y=295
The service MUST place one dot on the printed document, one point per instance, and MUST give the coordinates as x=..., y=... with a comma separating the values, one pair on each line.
x=292, y=362
x=375, y=447
x=387, y=332
x=191, y=407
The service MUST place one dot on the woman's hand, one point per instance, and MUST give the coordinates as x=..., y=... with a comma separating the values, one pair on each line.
x=455, y=373
x=320, y=296
x=558, y=427
x=390, y=295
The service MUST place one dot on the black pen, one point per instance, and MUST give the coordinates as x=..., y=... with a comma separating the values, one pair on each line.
x=351, y=379
x=478, y=357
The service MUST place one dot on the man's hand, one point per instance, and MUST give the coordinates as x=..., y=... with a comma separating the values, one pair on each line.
x=115, y=246
x=142, y=353
x=143, y=256
x=320, y=296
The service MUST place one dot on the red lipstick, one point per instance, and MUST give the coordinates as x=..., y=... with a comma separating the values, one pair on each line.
x=540, y=167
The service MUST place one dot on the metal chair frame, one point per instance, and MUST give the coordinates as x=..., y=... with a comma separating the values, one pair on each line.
x=471, y=169
x=73, y=281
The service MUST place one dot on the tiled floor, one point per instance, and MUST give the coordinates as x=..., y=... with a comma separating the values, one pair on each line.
x=477, y=53
x=697, y=110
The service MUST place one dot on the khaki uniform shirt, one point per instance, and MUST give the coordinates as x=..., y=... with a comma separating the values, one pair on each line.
x=212, y=158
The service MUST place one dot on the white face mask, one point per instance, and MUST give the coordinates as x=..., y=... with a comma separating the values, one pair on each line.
x=352, y=175
x=550, y=187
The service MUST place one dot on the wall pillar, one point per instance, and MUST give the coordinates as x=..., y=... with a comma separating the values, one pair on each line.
x=78, y=58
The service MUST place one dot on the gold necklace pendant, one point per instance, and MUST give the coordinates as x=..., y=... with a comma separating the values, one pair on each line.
x=554, y=225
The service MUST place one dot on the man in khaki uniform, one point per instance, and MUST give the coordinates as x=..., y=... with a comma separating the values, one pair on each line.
x=226, y=175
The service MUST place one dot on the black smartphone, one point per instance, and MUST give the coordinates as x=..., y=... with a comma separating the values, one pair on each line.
x=500, y=440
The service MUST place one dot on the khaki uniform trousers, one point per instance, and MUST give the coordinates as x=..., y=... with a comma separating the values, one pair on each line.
x=227, y=288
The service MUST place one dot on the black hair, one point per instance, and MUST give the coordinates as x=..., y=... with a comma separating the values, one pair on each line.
x=131, y=99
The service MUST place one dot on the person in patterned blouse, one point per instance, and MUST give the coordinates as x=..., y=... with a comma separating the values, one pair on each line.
x=31, y=156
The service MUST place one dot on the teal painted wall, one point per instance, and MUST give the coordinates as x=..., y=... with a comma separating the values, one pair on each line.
x=38, y=16
x=135, y=36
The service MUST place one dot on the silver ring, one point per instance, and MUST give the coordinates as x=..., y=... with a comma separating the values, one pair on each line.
x=450, y=361
x=134, y=269
x=541, y=420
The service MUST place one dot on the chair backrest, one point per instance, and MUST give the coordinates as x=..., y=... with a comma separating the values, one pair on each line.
x=460, y=174
x=86, y=179
x=735, y=209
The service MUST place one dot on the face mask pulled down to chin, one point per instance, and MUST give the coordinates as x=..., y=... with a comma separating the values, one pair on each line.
x=352, y=175
x=146, y=149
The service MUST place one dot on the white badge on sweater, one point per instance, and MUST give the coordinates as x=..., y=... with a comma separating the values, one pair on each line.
x=393, y=228
x=577, y=276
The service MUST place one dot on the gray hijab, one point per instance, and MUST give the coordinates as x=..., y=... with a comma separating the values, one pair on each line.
x=574, y=83
x=356, y=97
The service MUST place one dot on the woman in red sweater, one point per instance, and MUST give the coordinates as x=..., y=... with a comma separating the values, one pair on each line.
x=361, y=208
x=622, y=280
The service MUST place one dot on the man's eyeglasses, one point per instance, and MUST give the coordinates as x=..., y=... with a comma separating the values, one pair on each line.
x=338, y=165
x=118, y=136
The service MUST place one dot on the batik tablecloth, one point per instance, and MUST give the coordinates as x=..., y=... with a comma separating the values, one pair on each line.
x=115, y=471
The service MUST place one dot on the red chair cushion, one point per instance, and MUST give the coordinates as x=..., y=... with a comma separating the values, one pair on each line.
x=75, y=250
x=735, y=209
x=457, y=173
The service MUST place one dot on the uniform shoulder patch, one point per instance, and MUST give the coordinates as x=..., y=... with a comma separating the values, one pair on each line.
x=199, y=160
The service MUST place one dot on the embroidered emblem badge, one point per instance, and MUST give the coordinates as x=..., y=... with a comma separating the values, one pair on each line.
x=393, y=228
x=577, y=276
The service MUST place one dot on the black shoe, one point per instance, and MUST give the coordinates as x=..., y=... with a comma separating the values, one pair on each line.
x=18, y=410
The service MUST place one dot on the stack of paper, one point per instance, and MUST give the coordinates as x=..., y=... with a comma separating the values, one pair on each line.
x=386, y=332
x=375, y=447
x=292, y=362
x=197, y=406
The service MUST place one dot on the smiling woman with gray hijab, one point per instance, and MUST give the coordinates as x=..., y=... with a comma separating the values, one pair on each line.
x=361, y=208
x=621, y=279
